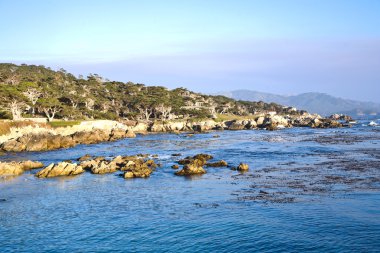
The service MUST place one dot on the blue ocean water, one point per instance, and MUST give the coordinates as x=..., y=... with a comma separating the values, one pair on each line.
x=307, y=189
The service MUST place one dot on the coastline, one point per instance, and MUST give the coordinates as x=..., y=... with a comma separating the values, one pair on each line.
x=42, y=138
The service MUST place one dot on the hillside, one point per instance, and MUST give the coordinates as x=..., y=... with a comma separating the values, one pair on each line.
x=37, y=91
x=313, y=102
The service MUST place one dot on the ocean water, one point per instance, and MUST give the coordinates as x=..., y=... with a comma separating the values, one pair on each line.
x=314, y=190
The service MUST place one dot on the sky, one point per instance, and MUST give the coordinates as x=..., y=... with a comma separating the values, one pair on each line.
x=278, y=46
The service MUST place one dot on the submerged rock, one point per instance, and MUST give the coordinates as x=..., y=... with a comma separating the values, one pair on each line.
x=85, y=158
x=221, y=163
x=175, y=167
x=203, y=157
x=60, y=169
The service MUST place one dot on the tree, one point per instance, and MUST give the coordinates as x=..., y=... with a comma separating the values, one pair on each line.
x=164, y=110
x=33, y=95
x=50, y=106
x=16, y=109
x=145, y=110
x=90, y=104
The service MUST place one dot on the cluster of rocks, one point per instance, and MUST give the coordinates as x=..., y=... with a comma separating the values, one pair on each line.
x=131, y=166
x=268, y=122
x=18, y=168
x=139, y=166
x=341, y=117
x=48, y=141
x=194, y=165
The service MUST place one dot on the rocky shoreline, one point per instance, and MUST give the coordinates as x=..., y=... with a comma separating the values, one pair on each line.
x=137, y=166
x=91, y=132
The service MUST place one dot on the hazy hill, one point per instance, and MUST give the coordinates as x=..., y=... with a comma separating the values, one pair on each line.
x=314, y=102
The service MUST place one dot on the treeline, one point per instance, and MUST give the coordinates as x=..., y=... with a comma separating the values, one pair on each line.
x=37, y=91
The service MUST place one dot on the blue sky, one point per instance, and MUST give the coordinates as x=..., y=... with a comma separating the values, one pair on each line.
x=279, y=46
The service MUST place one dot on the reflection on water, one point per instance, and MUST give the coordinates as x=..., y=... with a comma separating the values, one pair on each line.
x=307, y=190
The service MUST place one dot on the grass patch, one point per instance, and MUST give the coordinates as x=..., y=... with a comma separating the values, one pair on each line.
x=63, y=123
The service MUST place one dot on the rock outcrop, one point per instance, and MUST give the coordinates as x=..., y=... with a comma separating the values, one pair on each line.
x=11, y=169
x=60, y=169
x=17, y=168
x=191, y=169
x=140, y=172
x=92, y=132
x=30, y=165
x=138, y=168
x=47, y=141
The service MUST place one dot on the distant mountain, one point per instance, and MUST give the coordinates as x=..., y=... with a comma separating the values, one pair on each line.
x=314, y=102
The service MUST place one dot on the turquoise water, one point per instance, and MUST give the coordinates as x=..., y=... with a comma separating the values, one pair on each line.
x=307, y=190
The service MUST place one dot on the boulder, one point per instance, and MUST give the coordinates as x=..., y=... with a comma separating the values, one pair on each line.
x=60, y=169
x=260, y=121
x=191, y=169
x=138, y=171
x=243, y=167
x=175, y=167
x=279, y=120
x=103, y=167
x=235, y=125
x=342, y=117
x=198, y=160
x=13, y=146
x=138, y=168
x=89, y=164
